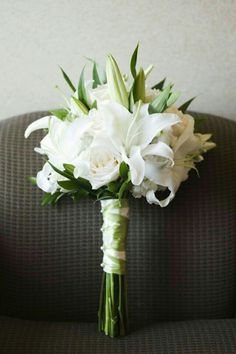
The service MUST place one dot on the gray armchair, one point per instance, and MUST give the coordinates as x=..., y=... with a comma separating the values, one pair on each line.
x=181, y=260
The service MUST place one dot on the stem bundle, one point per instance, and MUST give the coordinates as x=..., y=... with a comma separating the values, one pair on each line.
x=112, y=313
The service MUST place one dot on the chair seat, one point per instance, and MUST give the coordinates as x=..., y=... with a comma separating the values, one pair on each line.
x=197, y=336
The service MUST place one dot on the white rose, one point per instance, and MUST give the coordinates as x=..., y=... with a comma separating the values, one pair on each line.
x=99, y=164
x=99, y=94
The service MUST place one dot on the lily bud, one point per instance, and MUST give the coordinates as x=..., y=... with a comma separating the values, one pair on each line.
x=139, y=86
x=115, y=82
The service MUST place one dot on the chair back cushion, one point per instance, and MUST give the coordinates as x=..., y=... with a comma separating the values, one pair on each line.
x=181, y=259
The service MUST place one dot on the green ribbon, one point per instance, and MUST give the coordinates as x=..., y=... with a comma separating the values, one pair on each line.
x=114, y=229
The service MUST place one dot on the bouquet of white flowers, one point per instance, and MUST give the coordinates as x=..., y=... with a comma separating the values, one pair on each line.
x=117, y=137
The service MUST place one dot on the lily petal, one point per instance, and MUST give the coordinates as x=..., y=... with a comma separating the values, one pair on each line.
x=136, y=165
x=154, y=124
x=116, y=120
x=159, y=149
x=41, y=123
x=152, y=199
x=170, y=178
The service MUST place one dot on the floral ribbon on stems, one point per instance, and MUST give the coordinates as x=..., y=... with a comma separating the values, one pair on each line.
x=115, y=224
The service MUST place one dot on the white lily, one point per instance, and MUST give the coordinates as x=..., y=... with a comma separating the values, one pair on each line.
x=64, y=140
x=171, y=179
x=62, y=144
x=131, y=134
x=187, y=147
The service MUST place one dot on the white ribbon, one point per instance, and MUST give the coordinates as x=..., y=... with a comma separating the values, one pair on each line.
x=114, y=229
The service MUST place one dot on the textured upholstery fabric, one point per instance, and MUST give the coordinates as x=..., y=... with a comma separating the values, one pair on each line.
x=187, y=337
x=181, y=259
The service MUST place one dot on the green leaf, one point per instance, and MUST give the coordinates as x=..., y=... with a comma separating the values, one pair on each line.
x=46, y=199
x=173, y=98
x=79, y=195
x=105, y=195
x=80, y=105
x=133, y=61
x=139, y=87
x=59, y=113
x=76, y=183
x=186, y=104
x=94, y=105
x=69, y=185
x=100, y=191
x=69, y=168
x=60, y=194
x=49, y=198
x=124, y=187
x=32, y=180
x=160, y=85
x=66, y=77
x=96, y=79
x=82, y=95
x=123, y=170
x=84, y=183
x=62, y=173
x=113, y=186
x=160, y=102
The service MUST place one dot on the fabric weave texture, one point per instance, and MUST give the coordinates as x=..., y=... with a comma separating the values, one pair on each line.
x=181, y=260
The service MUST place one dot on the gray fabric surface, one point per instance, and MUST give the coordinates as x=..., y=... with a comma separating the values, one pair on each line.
x=181, y=259
x=189, y=337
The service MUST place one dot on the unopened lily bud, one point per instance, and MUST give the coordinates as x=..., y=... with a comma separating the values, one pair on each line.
x=115, y=82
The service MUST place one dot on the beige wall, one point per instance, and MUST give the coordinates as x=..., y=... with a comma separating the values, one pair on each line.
x=193, y=42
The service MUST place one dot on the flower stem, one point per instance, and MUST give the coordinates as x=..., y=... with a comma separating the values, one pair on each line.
x=112, y=313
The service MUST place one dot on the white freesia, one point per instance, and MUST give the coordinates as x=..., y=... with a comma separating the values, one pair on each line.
x=47, y=179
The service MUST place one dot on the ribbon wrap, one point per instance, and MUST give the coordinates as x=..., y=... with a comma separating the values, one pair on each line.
x=114, y=229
